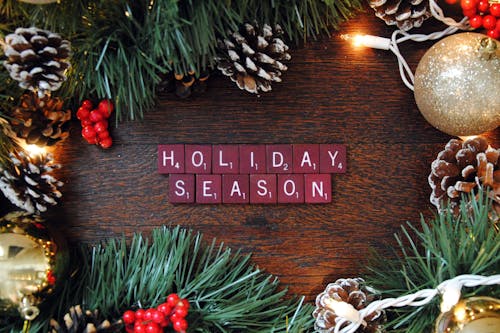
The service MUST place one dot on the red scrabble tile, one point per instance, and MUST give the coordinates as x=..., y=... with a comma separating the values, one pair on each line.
x=181, y=188
x=318, y=188
x=198, y=158
x=171, y=158
x=235, y=189
x=225, y=159
x=305, y=158
x=252, y=159
x=332, y=158
x=279, y=158
x=208, y=189
x=263, y=189
x=290, y=188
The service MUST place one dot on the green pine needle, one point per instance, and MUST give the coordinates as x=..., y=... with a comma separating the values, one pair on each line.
x=445, y=247
x=226, y=292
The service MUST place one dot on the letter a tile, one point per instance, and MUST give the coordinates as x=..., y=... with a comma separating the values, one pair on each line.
x=235, y=189
x=305, y=158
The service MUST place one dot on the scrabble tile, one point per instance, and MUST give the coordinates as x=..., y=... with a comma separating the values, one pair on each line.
x=279, y=158
x=305, y=158
x=225, y=159
x=208, y=189
x=235, y=189
x=318, y=188
x=263, y=189
x=181, y=188
x=171, y=158
x=198, y=159
x=332, y=158
x=290, y=188
x=252, y=159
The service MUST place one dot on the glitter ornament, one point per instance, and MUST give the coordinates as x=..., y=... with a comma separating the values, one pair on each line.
x=457, y=83
x=471, y=315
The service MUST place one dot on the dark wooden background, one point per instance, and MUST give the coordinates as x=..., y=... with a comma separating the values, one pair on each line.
x=332, y=93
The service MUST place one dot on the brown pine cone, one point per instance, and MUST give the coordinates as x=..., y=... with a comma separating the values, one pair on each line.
x=405, y=14
x=40, y=121
x=463, y=167
x=253, y=57
x=37, y=58
x=354, y=292
x=78, y=321
x=184, y=85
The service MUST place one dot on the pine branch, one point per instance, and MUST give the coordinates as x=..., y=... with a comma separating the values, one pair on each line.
x=226, y=292
x=446, y=247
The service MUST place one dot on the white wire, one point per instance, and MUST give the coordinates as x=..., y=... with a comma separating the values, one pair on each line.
x=417, y=299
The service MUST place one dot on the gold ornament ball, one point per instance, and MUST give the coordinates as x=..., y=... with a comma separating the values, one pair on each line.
x=31, y=263
x=457, y=84
x=471, y=315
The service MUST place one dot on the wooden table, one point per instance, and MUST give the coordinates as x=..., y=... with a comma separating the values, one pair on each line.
x=332, y=93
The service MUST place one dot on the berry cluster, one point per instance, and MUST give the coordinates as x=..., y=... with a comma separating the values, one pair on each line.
x=95, y=122
x=173, y=311
x=482, y=13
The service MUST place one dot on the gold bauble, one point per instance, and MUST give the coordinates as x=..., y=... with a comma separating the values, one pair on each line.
x=457, y=84
x=471, y=315
x=31, y=262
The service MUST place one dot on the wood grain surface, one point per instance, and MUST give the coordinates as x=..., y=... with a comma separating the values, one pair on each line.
x=332, y=93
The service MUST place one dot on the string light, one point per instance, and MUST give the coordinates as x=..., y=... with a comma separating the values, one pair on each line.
x=34, y=150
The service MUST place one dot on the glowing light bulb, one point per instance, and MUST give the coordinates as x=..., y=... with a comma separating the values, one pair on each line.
x=343, y=309
x=375, y=42
x=451, y=296
x=34, y=150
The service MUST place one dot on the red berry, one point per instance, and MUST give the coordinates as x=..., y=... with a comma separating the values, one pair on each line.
x=165, y=322
x=172, y=300
x=483, y=6
x=87, y=122
x=139, y=327
x=157, y=316
x=106, y=107
x=468, y=4
x=139, y=314
x=96, y=116
x=82, y=113
x=498, y=25
x=101, y=126
x=476, y=21
x=129, y=317
x=180, y=325
x=103, y=135
x=495, y=9
x=88, y=132
x=148, y=315
x=489, y=22
x=164, y=308
x=174, y=316
x=87, y=104
x=495, y=34
x=470, y=13
x=153, y=328
x=185, y=303
x=106, y=142
x=181, y=311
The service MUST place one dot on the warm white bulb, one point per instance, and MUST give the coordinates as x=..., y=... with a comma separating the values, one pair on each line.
x=34, y=150
x=451, y=296
x=343, y=309
x=375, y=42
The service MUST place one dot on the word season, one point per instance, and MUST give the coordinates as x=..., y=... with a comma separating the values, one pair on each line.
x=258, y=174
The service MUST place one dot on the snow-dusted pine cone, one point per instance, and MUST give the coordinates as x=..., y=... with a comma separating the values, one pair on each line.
x=29, y=184
x=463, y=167
x=79, y=321
x=405, y=14
x=354, y=292
x=37, y=58
x=40, y=121
x=253, y=57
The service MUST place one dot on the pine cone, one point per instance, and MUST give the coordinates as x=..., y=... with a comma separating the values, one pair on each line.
x=40, y=121
x=351, y=291
x=76, y=321
x=37, y=58
x=463, y=167
x=405, y=14
x=184, y=85
x=253, y=57
x=29, y=184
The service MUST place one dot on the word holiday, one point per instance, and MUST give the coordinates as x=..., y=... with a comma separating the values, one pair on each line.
x=259, y=174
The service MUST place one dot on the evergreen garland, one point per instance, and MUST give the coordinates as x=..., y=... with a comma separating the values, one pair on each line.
x=121, y=46
x=226, y=292
x=444, y=248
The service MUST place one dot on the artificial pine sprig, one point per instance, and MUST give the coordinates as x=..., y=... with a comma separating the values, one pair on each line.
x=225, y=291
x=443, y=248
